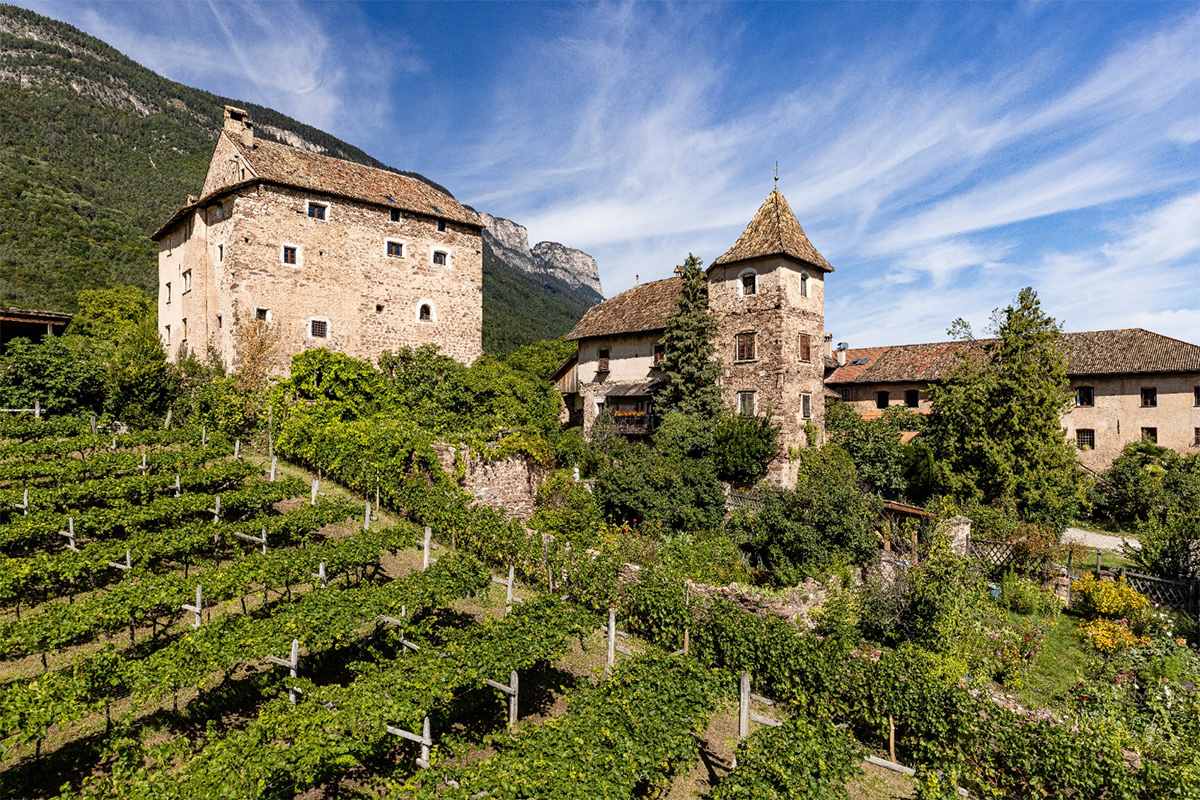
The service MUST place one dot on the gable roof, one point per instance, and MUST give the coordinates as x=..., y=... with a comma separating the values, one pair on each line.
x=283, y=165
x=645, y=307
x=1124, y=351
x=774, y=231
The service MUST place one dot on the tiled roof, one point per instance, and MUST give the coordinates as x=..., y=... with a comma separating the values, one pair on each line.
x=646, y=307
x=774, y=231
x=1113, y=352
x=282, y=165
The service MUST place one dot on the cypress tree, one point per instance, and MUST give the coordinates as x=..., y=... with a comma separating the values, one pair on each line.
x=689, y=365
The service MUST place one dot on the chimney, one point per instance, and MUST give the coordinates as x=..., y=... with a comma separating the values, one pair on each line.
x=239, y=126
x=841, y=353
x=828, y=347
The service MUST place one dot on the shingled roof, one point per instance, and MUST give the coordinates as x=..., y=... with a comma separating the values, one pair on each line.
x=1124, y=351
x=646, y=307
x=774, y=231
x=282, y=165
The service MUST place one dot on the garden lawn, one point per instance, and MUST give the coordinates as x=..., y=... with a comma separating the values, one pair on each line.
x=1057, y=666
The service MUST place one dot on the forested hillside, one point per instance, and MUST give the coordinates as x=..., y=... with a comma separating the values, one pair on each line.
x=96, y=151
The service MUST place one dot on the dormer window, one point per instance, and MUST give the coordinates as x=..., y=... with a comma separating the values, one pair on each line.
x=440, y=258
x=395, y=249
x=318, y=211
x=749, y=285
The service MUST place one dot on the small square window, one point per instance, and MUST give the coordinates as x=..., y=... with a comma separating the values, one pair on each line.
x=1149, y=397
x=262, y=314
x=746, y=403
x=1085, y=439
x=1085, y=396
x=883, y=399
x=912, y=398
x=318, y=328
x=425, y=313
x=318, y=211
x=806, y=406
x=749, y=284
x=379, y=308
x=440, y=257
x=1150, y=435
x=395, y=212
x=441, y=225
x=395, y=249
x=290, y=254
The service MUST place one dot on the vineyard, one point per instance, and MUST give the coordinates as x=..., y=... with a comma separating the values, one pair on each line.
x=183, y=617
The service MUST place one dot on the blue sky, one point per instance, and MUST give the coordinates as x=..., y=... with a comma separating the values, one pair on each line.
x=940, y=156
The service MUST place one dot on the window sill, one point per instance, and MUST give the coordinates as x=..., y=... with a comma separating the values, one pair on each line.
x=745, y=361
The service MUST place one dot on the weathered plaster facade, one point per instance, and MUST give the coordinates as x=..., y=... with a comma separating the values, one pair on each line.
x=357, y=276
x=1118, y=416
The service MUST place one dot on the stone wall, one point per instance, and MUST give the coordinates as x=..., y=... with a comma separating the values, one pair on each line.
x=509, y=485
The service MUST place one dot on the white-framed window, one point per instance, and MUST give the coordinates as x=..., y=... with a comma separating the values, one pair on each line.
x=748, y=283
x=167, y=292
x=318, y=328
x=805, y=406
x=262, y=314
x=747, y=403
x=317, y=210
x=804, y=284
x=394, y=248
x=440, y=258
x=291, y=254
x=187, y=281
x=426, y=311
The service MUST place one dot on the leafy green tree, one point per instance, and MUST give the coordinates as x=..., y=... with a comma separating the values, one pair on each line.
x=743, y=447
x=996, y=426
x=879, y=454
x=62, y=373
x=689, y=366
x=1133, y=490
x=825, y=520
x=141, y=384
x=541, y=358
x=639, y=485
x=108, y=315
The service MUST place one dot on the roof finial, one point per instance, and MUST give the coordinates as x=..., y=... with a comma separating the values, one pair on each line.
x=776, y=174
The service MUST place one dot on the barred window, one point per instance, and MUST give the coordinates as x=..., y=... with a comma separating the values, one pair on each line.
x=1085, y=439
x=806, y=405
x=319, y=328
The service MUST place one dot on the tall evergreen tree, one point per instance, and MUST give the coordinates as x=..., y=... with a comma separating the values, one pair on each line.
x=689, y=365
x=996, y=426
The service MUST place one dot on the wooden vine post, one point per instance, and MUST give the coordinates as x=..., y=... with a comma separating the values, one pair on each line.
x=69, y=534
x=611, y=656
x=511, y=690
x=316, y=486
x=507, y=583
x=292, y=662
x=424, y=739
x=426, y=544
x=197, y=608
x=24, y=504
x=746, y=715
x=274, y=467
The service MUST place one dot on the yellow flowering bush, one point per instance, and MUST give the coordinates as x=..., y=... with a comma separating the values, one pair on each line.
x=1109, y=636
x=1113, y=599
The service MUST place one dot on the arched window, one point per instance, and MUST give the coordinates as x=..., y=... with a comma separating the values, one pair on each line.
x=426, y=312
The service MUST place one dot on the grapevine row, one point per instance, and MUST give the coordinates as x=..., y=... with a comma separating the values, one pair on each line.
x=107, y=464
x=91, y=443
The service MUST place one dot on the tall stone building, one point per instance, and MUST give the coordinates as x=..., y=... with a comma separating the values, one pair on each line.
x=767, y=294
x=324, y=252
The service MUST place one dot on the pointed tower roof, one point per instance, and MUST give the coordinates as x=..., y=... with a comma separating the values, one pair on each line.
x=774, y=231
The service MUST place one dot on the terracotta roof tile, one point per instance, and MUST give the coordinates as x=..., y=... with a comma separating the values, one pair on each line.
x=646, y=307
x=1111, y=352
x=291, y=166
x=774, y=231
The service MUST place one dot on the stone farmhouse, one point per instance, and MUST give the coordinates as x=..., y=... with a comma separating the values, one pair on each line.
x=767, y=292
x=1127, y=384
x=324, y=252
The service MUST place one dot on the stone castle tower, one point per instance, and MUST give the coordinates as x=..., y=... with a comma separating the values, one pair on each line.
x=767, y=293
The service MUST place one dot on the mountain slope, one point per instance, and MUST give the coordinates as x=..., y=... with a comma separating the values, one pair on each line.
x=96, y=151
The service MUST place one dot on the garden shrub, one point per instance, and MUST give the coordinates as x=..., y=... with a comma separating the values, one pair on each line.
x=640, y=485
x=1103, y=598
x=742, y=447
x=799, y=760
x=1025, y=596
x=1109, y=636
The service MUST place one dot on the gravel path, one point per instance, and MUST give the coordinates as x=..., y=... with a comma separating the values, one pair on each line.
x=1098, y=539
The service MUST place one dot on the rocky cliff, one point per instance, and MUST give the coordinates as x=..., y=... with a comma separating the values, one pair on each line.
x=545, y=261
